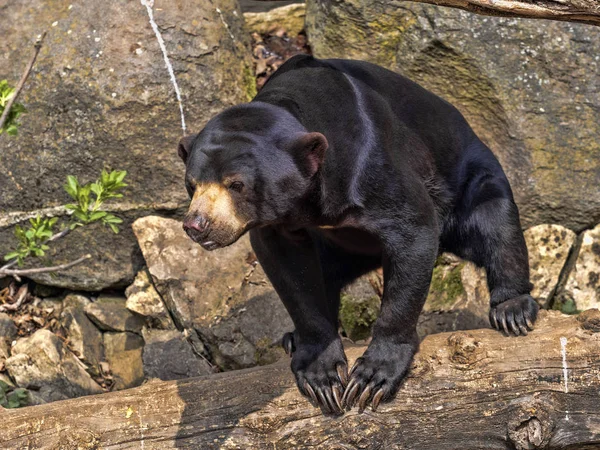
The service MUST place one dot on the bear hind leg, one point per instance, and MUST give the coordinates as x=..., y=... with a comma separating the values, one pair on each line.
x=487, y=231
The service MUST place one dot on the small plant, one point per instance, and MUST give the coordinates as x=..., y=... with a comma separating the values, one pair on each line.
x=32, y=241
x=13, y=397
x=86, y=208
x=6, y=92
x=89, y=198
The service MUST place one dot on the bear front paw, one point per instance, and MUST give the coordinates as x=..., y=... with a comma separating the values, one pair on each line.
x=376, y=376
x=321, y=372
x=515, y=316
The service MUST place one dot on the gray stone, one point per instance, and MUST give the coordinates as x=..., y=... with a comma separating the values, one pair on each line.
x=124, y=355
x=582, y=288
x=528, y=88
x=168, y=355
x=42, y=363
x=549, y=247
x=76, y=301
x=197, y=285
x=8, y=333
x=250, y=334
x=111, y=314
x=100, y=96
x=143, y=299
x=8, y=329
x=85, y=340
x=458, y=298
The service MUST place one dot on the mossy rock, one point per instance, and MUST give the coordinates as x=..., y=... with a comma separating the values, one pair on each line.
x=446, y=286
x=357, y=315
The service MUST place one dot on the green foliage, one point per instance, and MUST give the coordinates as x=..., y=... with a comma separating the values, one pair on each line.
x=91, y=196
x=11, y=124
x=13, y=397
x=32, y=240
x=88, y=198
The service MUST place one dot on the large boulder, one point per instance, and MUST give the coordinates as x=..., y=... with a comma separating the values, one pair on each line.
x=101, y=96
x=197, y=285
x=528, y=88
x=223, y=295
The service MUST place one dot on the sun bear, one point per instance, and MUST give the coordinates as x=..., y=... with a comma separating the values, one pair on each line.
x=339, y=167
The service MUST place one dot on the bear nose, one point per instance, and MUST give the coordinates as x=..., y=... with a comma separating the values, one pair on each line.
x=195, y=224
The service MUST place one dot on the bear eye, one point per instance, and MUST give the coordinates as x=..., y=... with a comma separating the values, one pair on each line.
x=236, y=186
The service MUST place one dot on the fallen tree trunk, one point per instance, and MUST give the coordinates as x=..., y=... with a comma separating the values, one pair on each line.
x=466, y=390
x=587, y=11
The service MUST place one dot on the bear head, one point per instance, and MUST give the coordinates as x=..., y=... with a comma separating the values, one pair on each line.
x=252, y=165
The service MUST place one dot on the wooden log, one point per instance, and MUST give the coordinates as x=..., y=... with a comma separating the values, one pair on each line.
x=586, y=11
x=467, y=390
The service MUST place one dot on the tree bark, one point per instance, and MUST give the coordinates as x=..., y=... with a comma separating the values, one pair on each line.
x=467, y=390
x=586, y=11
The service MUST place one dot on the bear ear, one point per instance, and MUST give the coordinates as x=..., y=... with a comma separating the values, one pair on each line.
x=309, y=151
x=185, y=146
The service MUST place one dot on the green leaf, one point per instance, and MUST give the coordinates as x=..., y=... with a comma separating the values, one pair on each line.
x=114, y=228
x=72, y=186
x=97, y=189
x=71, y=206
x=97, y=215
x=112, y=219
x=81, y=216
x=11, y=255
x=120, y=175
x=52, y=222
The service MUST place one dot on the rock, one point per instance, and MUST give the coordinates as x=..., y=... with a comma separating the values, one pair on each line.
x=100, y=96
x=359, y=308
x=582, y=288
x=124, y=355
x=458, y=298
x=526, y=86
x=8, y=333
x=197, y=285
x=549, y=247
x=8, y=329
x=85, y=340
x=75, y=301
x=249, y=335
x=42, y=363
x=111, y=314
x=224, y=295
x=167, y=355
x=289, y=18
x=143, y=299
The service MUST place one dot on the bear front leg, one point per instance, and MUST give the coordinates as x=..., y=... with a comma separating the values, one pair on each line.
x=318, y=361
x=409, y=257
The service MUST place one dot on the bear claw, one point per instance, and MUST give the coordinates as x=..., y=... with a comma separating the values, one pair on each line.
x=515, y=316
x=287, y=342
